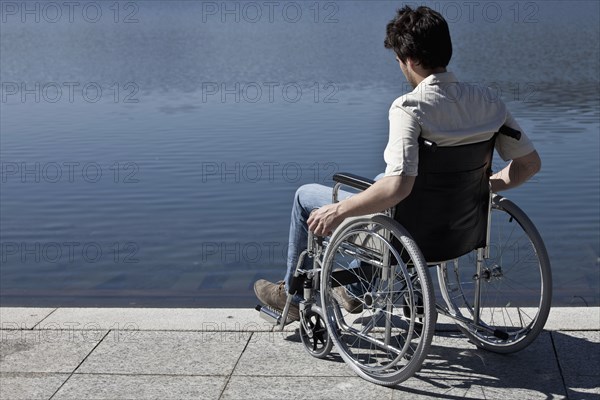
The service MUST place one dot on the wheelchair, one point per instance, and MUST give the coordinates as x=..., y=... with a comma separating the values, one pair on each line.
x=493, y=270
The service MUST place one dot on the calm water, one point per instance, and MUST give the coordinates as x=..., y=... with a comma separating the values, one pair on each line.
x=150, y=151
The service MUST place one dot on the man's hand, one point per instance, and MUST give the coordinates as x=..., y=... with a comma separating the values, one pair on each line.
x=324, y=220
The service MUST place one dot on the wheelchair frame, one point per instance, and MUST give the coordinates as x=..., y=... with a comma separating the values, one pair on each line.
x=399, y=310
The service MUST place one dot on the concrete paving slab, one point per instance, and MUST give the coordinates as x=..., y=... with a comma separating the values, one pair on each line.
x=455, y=368
x=579, y=357
x=455, y=350
x=177, y=319
x=100, y=386
x=519, y=393
x=22, y=317
x=29, y=386
x=560, y=318
x=425, y=386
x=168, y=353
x=466, y=386
x=571, y=346
x=303, y=388
x=192, y=352
x=573, y=318
x=45, y=351
x=583, y=387
x=229, y=319
x=283, y=354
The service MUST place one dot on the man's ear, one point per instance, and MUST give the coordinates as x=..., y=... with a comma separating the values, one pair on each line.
x=412, y=63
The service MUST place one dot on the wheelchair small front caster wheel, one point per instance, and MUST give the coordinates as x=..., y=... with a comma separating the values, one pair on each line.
x=314, y=336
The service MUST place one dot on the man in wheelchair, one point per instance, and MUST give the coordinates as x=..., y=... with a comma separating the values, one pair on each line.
x=440, y=111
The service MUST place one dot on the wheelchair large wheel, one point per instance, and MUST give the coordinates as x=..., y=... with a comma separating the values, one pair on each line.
x=373, y=260
x=515, y=284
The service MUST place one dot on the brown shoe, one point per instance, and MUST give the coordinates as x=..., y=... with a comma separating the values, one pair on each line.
x=351, y=303
x=275, y=296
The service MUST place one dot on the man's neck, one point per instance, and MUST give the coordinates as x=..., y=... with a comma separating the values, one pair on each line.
x=419, y=74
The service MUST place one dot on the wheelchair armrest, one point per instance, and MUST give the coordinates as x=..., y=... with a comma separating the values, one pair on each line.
x=352, y=180
x=510, y=132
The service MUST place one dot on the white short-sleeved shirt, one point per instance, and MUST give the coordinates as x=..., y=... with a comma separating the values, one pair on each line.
x=450, y=113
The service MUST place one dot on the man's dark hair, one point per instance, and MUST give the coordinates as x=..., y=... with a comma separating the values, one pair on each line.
x=421, y=35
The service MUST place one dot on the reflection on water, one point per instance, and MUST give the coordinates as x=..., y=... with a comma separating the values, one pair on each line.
x=168, y=180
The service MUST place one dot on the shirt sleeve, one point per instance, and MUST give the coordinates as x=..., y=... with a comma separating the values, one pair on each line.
x=509, y=148
x=402, y=151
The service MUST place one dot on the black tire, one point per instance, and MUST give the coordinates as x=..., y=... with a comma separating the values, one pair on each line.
x=317, y=344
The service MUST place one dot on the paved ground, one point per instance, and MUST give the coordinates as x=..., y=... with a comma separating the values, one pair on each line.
x=137, y=353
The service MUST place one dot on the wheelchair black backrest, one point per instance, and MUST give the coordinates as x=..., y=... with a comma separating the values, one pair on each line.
x=446, y=212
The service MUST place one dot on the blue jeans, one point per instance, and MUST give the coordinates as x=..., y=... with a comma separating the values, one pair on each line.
x=307, y=198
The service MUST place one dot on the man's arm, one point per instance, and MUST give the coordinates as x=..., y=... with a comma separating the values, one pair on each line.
x=383, y=194
x=518, y=171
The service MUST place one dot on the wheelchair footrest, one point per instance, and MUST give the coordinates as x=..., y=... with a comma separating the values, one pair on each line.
x=272, y=316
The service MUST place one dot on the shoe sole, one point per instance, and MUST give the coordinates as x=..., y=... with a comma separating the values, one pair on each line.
x=280, y=311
